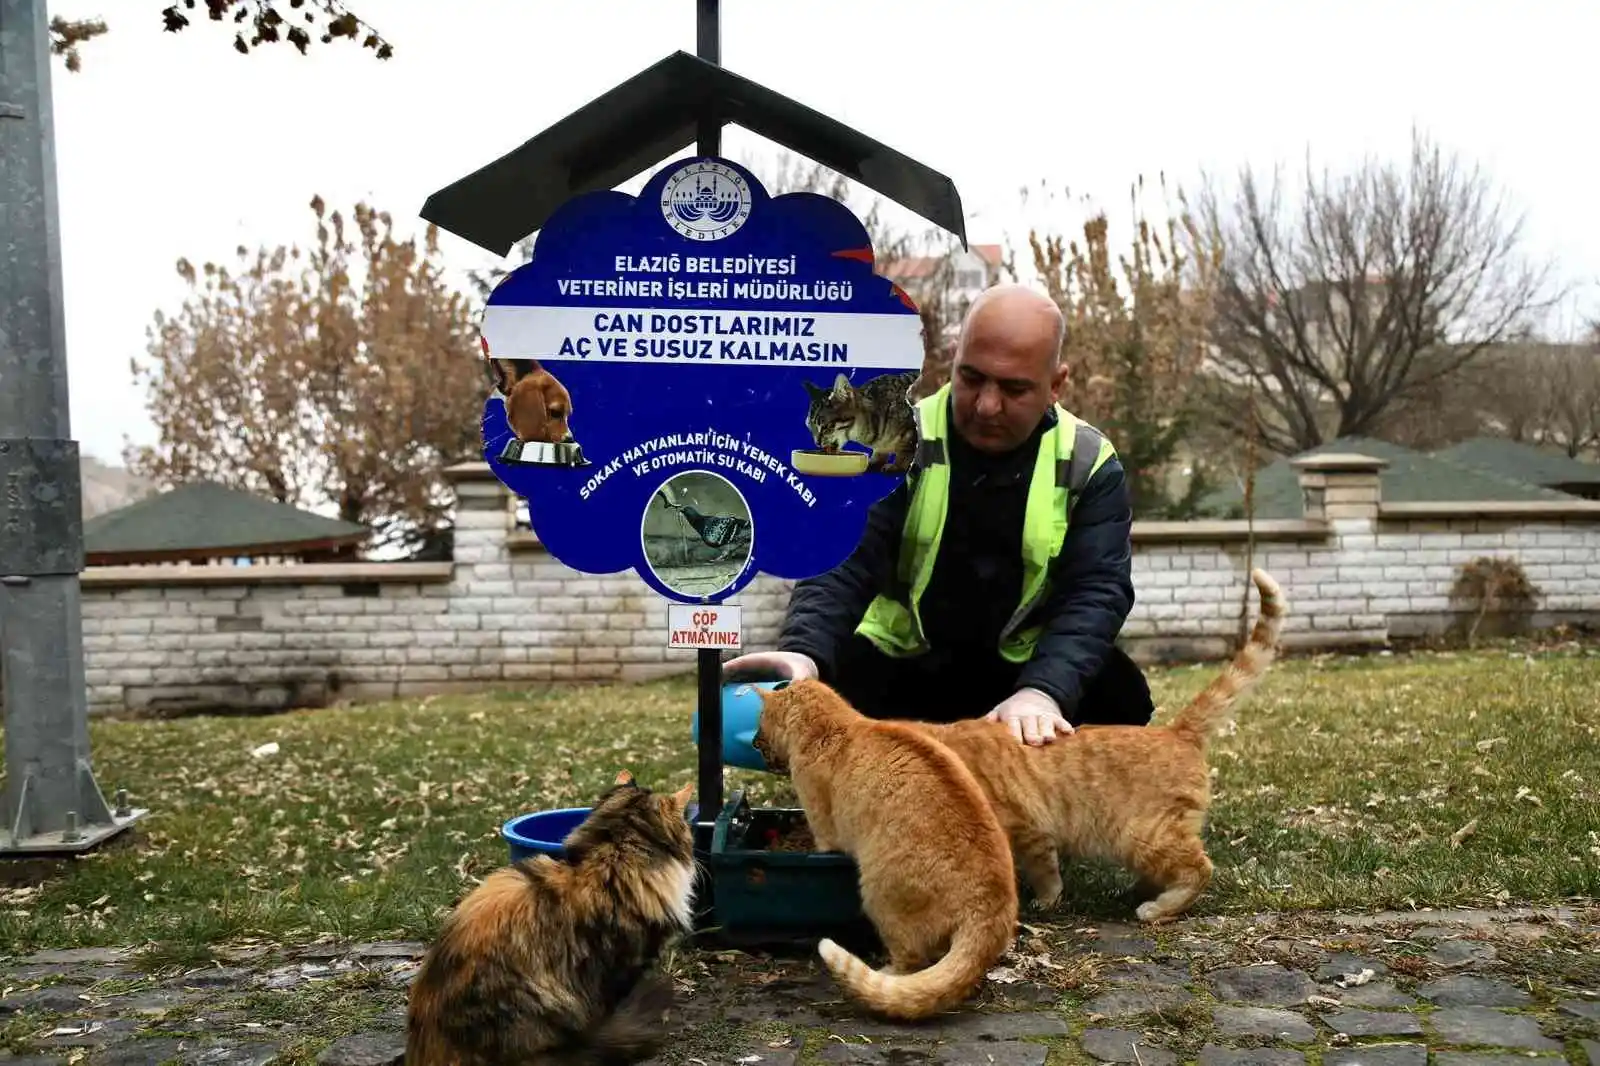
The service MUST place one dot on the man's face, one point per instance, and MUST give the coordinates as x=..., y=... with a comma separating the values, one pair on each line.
x=1000, y=391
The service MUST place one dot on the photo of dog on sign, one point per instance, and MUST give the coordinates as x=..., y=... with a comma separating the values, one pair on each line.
x=538, y=410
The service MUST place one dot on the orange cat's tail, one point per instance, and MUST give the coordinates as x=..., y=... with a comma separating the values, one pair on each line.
x=945, y=984
x=1207, y=710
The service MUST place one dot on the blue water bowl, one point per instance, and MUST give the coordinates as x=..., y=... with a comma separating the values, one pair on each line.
x=741, y=714
x=542, y=832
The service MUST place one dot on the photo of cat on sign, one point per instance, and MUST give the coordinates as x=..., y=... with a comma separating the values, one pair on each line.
x=538, y=409
x=875, y=414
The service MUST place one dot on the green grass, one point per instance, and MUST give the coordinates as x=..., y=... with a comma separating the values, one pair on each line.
x=1341, y=788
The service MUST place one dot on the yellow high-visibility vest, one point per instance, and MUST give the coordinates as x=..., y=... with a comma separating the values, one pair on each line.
x=1070, y=453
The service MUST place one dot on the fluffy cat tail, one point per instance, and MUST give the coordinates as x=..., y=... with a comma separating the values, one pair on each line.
x=1208, y=710
x=945, y=984
x=631, y=1033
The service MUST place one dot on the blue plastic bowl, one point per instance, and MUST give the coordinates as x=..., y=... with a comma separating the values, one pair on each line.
x=741, y=714
x=542, y=832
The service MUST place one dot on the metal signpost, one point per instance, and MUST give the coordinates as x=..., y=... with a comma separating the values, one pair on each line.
x=52, y=803
x=685, y=331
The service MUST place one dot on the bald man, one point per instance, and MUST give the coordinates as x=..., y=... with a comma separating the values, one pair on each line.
x=994, y=580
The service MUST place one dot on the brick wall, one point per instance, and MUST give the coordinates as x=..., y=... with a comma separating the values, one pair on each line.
x=1362, y=582
x=1357, y=573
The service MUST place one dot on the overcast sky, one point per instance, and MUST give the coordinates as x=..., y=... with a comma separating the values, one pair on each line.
x=175, y=145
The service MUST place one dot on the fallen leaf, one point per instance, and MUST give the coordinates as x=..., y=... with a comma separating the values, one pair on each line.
x=1354, y=980
x=1463, y=833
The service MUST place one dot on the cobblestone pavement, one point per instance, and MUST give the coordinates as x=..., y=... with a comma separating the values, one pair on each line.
x=1459, y=988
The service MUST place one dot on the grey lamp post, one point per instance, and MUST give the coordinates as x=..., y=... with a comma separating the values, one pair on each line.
x=51, y=801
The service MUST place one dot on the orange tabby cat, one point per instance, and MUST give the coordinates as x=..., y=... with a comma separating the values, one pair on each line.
x=1136, y=795
x=935, y=871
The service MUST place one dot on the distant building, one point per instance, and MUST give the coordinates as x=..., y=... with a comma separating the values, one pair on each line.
x=1410, y=477
x=204, y=523
x=1528, y=463
x=955, y=279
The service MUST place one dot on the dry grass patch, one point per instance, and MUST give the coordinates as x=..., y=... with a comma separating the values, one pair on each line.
x=1349, y=783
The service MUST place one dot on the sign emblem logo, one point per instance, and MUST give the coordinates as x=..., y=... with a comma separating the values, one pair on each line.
x=705, y=201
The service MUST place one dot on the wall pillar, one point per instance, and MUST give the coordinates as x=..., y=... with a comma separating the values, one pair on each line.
x=1344, y=490
x=483, y=513
x=1340, y=486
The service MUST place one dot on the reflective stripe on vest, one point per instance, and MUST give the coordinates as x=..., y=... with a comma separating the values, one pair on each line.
x=1065, y=463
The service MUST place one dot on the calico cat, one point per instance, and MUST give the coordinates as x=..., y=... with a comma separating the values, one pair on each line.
x=551, y=961
x=1136, y=795
x=876, y=414
x=935, y=872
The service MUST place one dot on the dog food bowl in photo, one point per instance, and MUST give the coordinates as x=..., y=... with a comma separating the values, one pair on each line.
x=543, y=453
x=542, y=832
x=741, y=714
x=819, y=463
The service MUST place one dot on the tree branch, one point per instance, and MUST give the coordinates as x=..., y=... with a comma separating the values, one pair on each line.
x=1391, y=280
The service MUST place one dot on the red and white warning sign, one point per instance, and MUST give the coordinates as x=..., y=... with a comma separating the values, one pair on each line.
x=689, y=626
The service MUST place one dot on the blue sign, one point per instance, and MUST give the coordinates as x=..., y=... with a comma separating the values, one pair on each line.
x=700, y=383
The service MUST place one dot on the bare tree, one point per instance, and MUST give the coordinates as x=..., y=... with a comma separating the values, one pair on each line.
x=1544, y=392
x=1381, y=282
x=792, y=173
x=347, y=374
x=1137, y=333
x=930, y=248
x=267, y=25
x=1547, y=394
x=1576, y=422
x=483, y=282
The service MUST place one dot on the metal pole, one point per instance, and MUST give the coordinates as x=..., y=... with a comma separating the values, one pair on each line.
x=51, y=801
x=708, y=46
x=708, y=663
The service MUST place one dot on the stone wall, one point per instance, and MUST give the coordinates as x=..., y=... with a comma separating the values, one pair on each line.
x=1357, y=572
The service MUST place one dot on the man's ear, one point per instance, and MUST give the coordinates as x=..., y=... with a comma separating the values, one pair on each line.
x=1058, y=380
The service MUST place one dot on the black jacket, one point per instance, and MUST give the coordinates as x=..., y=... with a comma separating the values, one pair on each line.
x=977, y=578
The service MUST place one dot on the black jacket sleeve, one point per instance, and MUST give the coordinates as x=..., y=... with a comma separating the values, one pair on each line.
x=824, y=610
x=1091, y=591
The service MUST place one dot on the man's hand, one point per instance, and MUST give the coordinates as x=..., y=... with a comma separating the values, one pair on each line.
x=769, y=666
x=1033, y=717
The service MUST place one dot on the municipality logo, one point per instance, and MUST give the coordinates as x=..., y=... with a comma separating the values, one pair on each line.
x=705, y=201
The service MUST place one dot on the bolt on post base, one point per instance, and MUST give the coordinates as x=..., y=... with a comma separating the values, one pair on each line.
x=69, y=841
x=78, y=835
